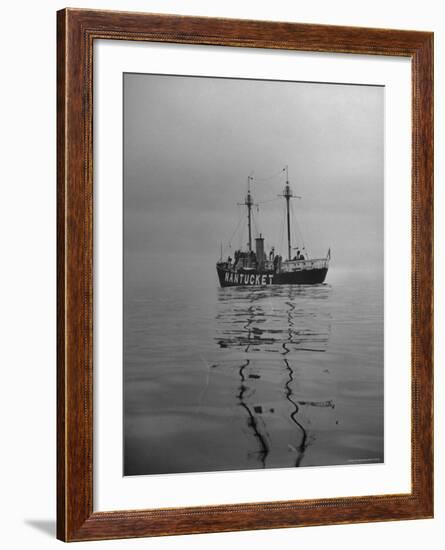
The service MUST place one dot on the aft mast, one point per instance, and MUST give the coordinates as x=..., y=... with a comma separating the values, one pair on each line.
x=287, y=194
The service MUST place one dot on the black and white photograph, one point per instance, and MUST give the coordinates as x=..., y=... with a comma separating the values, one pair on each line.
x=221, y=235
x=253, y=274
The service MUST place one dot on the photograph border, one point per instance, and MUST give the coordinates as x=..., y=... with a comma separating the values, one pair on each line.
x=76, y=31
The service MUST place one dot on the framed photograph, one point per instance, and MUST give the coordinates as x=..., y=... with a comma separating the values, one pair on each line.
x=245, y=275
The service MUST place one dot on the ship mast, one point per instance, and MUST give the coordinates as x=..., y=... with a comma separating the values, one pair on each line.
x=287, y=194
x=249, y=203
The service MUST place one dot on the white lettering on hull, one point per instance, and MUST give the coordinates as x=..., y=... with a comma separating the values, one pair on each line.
x=248, y=279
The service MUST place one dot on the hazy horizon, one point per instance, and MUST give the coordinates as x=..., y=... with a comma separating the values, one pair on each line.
x=191, y=142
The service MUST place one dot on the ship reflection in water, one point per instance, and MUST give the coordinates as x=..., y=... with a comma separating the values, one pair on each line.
x=246, y=378
x=278, y=320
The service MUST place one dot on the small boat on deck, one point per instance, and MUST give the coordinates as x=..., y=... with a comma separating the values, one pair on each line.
x=257, y=268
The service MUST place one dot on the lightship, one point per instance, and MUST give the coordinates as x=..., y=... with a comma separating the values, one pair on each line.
x=254, y=267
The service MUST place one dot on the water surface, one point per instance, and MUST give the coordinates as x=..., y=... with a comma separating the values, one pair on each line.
x=249, y=378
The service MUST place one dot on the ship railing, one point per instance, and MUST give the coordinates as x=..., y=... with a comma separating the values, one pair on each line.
x=303, y=265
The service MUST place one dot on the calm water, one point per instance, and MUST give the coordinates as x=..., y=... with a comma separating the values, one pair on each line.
x=242, y=378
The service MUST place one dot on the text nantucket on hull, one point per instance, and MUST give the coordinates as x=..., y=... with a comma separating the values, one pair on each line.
x=256, y=268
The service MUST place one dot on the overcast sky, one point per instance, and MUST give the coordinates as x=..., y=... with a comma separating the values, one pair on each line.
x=191, y=142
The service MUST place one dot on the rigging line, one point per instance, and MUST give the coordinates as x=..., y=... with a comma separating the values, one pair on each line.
x=297, y=229
x=236, y=228
x=267, y=178
x=255, y=224
x=295, y=236
x=269, y=200
x=280, y=242
x=293, y=220
x=241, y=236
x=300, y=234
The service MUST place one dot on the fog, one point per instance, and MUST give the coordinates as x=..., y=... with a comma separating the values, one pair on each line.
x=191, y=142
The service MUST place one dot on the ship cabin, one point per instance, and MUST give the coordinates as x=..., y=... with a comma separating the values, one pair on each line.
x=259, y=261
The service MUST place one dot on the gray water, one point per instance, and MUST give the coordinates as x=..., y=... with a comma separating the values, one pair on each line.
x=244, y=378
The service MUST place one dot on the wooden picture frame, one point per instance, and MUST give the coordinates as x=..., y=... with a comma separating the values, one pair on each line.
x=76, y=32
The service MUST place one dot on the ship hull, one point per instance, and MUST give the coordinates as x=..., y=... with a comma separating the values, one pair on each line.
x=229, y=277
